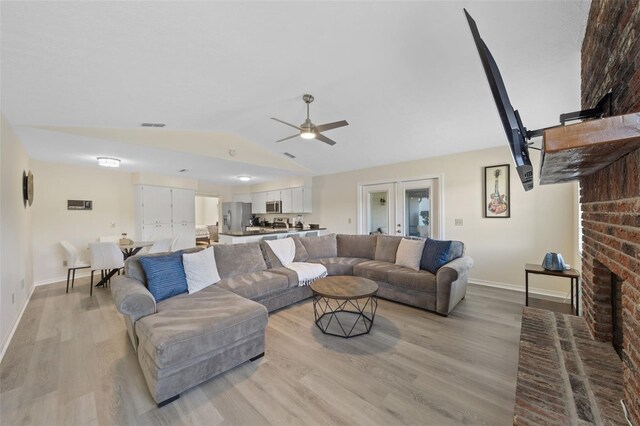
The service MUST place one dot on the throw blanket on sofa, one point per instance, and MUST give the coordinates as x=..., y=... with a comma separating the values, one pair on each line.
x=285, y=251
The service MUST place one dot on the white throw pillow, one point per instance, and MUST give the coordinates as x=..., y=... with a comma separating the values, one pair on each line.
x=200, y=269
x=409, y=253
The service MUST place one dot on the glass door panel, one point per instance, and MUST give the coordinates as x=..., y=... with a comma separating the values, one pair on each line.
x=378, y=208
x=416, y=215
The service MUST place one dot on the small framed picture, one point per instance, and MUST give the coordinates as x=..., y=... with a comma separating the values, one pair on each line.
x=497, y=198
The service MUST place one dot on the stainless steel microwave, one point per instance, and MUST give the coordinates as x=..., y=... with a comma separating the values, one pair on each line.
x=274, y=206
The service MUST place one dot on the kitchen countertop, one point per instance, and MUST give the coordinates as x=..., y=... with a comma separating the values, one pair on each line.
x=268, y=231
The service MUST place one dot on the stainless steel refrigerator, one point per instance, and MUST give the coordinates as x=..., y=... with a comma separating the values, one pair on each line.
x=235, y=216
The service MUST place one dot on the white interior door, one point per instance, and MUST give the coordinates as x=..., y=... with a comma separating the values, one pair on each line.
x=378, y=208
x=416, y=209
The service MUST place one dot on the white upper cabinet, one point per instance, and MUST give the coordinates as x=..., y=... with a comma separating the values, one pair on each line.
x=184, y=206
x=297, y=200
x=306, y=199
x=273, y=195
x=259, y=203
x=156, y=204
x=287, y=201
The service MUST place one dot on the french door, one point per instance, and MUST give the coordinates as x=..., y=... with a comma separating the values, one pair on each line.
x=408, y=208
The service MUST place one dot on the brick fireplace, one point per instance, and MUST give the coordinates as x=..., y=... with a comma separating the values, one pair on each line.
x=610, y=198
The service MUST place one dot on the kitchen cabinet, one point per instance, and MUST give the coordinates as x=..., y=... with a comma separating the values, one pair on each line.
x=273, y=195
x=301, y=200
x=155, y=203
x=259, y=203
x=307, y=200
x=161, y=212
x=287, y=202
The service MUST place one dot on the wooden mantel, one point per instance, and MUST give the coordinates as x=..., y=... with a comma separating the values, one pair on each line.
x=570, y=152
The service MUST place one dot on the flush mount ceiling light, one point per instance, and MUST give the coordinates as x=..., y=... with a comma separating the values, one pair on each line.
x=244, y=178
x=108, y=162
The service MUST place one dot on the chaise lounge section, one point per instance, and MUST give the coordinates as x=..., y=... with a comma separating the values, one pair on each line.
x=189, y=338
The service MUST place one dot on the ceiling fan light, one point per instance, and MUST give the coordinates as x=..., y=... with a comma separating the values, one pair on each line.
x=244, y=178
x=108, y=162
x=307, y=135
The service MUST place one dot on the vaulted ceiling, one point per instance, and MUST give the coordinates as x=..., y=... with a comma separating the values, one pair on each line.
x=78, y=79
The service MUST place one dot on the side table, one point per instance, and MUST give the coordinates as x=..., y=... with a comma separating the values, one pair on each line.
x=572, y=274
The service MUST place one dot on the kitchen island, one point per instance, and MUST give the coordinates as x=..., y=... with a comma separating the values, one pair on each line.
x=257, y=235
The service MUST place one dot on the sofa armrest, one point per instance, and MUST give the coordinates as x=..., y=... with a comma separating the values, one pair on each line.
x=451, y=281
x=132, y=298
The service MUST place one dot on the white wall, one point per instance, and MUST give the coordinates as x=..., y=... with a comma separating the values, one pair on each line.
x=206, y=210
x=112, y=194
x=16, y=277
x=541, y=220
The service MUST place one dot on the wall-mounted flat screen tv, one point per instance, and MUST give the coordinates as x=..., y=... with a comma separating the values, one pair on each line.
x=513, y=128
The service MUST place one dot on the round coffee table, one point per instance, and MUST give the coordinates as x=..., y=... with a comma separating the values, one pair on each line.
x=344, y=306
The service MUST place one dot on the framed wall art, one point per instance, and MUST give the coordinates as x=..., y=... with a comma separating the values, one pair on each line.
x=497, y=198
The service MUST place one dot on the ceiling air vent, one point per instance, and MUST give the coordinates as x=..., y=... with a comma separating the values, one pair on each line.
x=152, y=124
x=289, y=155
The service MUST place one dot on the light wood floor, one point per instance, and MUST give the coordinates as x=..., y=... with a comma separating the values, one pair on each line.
x=71, y=362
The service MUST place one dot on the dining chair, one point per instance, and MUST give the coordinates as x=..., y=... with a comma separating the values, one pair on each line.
x=104, y=256
x=109, y=239
x=72, y=257
x=160, y=246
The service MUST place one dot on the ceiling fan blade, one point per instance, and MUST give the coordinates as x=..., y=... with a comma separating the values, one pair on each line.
x=325, y=139
x=290, y=137
x=288, y=124
x=329, y=126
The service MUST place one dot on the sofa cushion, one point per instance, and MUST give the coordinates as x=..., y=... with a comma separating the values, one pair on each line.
x=386, y=248
x=412, y=279
x=361, y=246
x=375, y=270
x=165, y=275
x=255, y=285
x=272, y=260
x=339, y=265
x=238, y=259
x=437, y=253
x=191, y=325
x=410, y=253
x=291, y=275
x=319, y=247
x=133, y=268
x=200, y=269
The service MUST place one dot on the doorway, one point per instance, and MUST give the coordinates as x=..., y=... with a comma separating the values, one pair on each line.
x=410, y=208
x=207, y=216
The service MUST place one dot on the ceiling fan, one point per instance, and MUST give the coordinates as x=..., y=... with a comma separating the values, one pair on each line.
x=308, y=130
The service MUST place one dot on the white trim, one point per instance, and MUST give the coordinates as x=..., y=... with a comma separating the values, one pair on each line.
x=15, y=324
x=555, y=296
x=59, y=279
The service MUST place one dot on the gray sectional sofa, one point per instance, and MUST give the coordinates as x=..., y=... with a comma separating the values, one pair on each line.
x=189, y=338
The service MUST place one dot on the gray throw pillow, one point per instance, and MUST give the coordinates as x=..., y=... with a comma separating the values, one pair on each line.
x=320, y=247
x=386, y=248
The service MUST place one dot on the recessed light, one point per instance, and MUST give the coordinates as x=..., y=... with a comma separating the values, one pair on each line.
x=244, y=178
x=108, y=162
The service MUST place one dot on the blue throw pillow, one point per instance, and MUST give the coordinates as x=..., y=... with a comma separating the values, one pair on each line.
x=165, y=275
x=436, y=254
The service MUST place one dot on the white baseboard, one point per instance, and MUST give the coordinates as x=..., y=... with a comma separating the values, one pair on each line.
x=554, y=296
x=58, y=279
x=15, y=324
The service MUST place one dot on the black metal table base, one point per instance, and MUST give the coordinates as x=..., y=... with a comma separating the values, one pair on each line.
x=329, y=311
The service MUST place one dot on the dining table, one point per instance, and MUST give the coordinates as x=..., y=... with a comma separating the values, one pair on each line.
x=128, y=250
